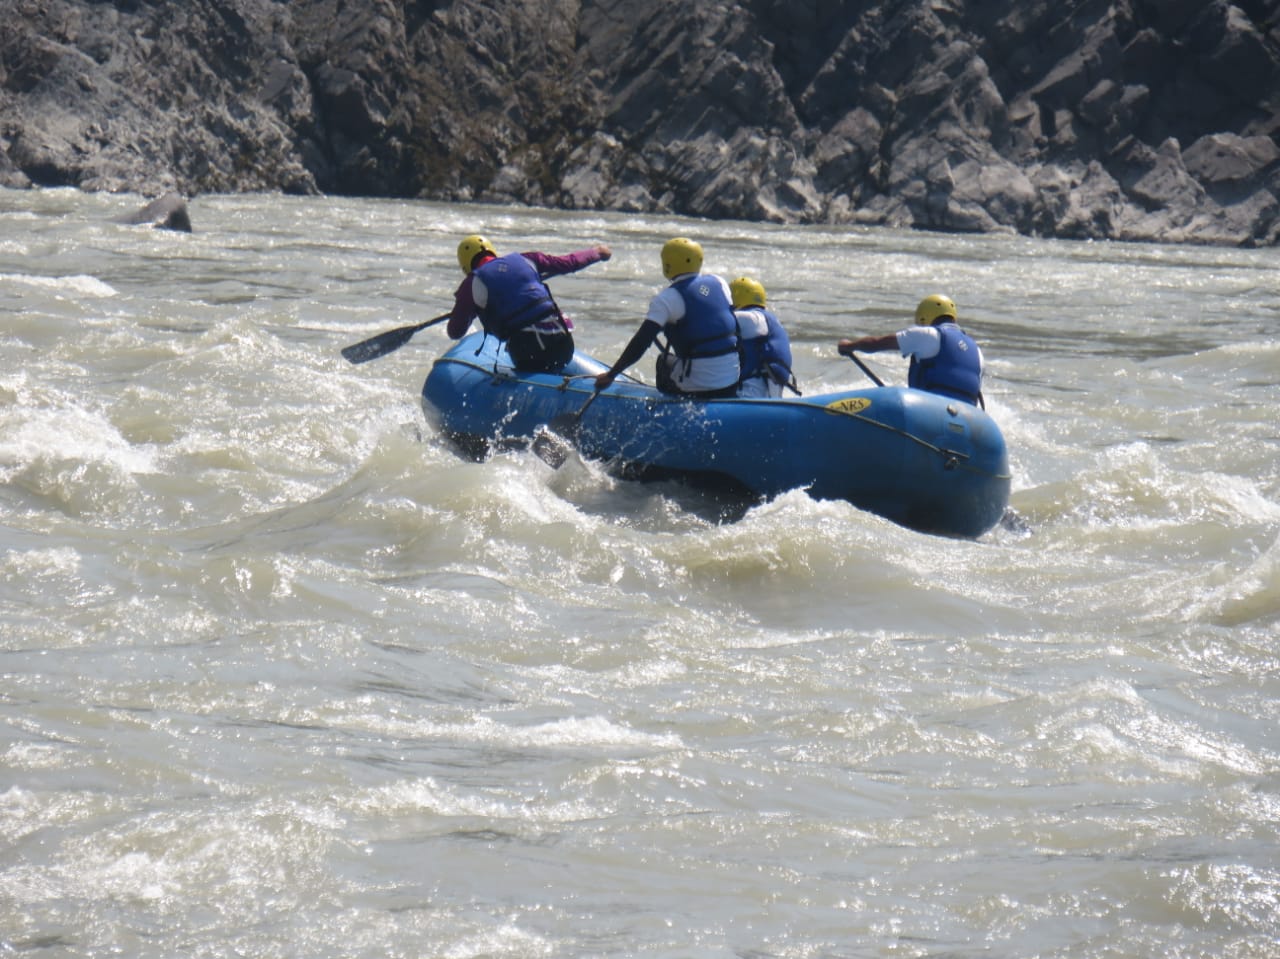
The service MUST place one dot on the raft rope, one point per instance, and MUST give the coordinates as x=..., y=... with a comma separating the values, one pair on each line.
x=952, y=459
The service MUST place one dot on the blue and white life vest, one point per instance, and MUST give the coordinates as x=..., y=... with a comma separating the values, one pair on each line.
x=956, y=370
x=517, y=296
x=708, y=327
x=768, y=355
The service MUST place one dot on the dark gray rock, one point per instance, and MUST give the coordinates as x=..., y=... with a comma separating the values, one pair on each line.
x=167, y=212
x=1127, y=119
x=1226, y=158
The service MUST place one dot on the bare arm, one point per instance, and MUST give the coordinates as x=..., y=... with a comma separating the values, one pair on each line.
x=868, y=344
x=641, y=342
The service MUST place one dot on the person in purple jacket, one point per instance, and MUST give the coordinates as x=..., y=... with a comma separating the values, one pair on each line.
x=513, y=303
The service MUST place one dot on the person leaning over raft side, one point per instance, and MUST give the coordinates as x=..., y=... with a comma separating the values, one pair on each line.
x=764, y=349
x=700, y=358
x=944, y=358
x=514, y=304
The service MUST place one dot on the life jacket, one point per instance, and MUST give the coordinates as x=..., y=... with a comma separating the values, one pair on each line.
x=767, y=355
x=517, y=296
x=708, y=327
x=956, y=369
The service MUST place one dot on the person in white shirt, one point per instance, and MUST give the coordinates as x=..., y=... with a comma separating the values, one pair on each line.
x=763, y=345
x=944, y=358
x=695, y=313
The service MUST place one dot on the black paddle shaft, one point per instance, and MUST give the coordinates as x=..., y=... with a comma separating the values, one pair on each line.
x=866, y=369
x=568, y=425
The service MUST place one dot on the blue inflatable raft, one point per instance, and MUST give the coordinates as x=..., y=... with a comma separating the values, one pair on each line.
x=921, y=460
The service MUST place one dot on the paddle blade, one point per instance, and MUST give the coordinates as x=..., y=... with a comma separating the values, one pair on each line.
x=387, y=342
x=379, y=345
x=556, y=440
x=550, y=448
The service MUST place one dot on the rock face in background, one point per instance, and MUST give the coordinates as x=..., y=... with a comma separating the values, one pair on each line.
x=1136, y=119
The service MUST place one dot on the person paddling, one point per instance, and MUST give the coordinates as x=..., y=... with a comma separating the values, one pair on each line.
x=944, y=358
x=513, y=303
x=700, y=357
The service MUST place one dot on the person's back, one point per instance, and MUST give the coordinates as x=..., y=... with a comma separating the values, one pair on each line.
x=515, y=296
x=944, y=358
x=703, y=337
x=700, y=358
x=509, y=295
x=954, y=370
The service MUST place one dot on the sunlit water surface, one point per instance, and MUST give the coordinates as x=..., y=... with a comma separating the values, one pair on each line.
x=283, y=676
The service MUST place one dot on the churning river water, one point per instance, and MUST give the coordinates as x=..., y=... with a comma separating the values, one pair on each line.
x=284, y=676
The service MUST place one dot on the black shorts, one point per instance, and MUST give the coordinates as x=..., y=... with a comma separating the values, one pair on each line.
x=537, y=351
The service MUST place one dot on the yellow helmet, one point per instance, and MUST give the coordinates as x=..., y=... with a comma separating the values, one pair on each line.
x=680, y=255
x=746, y=292
x=933, y=307
x=469, y=247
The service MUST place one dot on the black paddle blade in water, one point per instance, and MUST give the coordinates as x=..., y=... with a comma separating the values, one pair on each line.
x=387, y=342
x=380, y=345
x=553, y=443
x=551, y=448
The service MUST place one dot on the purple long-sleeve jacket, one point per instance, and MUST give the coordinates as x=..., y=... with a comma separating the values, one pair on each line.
x=465, y=310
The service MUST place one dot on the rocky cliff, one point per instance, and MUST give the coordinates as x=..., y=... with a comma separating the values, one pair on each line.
x=1134, y=119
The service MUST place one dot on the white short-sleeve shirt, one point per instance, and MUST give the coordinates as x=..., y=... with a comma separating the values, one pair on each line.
x=923, y=342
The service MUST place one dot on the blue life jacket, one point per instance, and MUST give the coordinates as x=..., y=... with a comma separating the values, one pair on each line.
x=708, y=327
x=954, y=371
x=517, y=296
x=768, y=355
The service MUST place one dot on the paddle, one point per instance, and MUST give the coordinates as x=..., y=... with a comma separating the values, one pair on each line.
x=863, y=366
x=553, y=442
x=387, y=342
